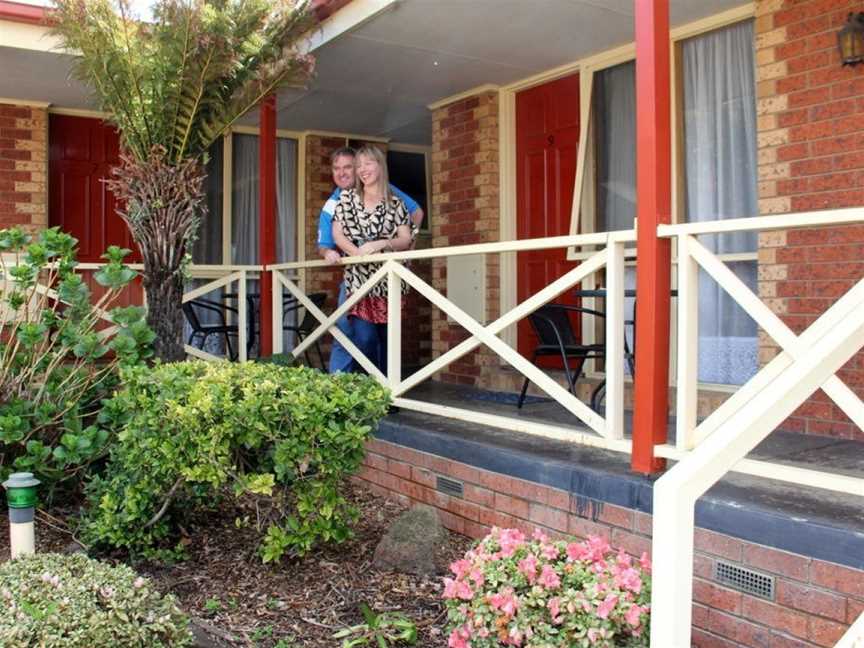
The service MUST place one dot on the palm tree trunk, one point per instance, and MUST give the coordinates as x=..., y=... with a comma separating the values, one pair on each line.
x=164, y=291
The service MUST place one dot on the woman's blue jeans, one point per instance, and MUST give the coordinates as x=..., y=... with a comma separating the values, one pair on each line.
x=371, y=339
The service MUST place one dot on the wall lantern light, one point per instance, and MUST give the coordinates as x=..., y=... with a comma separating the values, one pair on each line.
x=850, y=39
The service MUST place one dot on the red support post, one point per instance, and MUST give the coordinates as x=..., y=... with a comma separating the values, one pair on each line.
x=267, y=217
x=654, y=259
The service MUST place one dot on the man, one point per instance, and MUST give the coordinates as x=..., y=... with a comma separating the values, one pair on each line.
x=342, y=167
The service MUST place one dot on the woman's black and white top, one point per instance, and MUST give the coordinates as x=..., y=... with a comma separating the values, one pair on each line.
x=363, y=226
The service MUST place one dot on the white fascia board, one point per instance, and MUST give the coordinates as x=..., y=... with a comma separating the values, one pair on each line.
x=28, y=37
x=344, y=20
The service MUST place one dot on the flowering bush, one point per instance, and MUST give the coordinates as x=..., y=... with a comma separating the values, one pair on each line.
x=538, y=593
x=75, y=602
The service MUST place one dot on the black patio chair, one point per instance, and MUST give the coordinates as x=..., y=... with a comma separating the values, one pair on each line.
x=201, y=331
x=556, y=337
x=308, y=324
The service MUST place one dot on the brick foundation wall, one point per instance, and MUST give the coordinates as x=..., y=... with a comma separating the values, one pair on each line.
x=811, y=156
x=815, y=601
x=465, y=199
x=23, y=166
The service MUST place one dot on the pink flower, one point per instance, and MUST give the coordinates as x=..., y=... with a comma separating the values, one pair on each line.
x=549, y=551
x=540, y=537
x=548, y=577
x=554, y=606
x=576, y=551
x=622, y=559
x=632, y=615
x=645, y=561
x=510, y=540
x=629, y=579
x=459, y=638
x=457, y=589
x=515, y=637
x=596, y=634
x=460, y=568
x=528, y=566
x=597, y=548
x=607, y=606
x=477, y=576
x=505, y=601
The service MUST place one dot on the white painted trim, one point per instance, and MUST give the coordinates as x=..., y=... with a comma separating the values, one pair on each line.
x=29, y=103
x=508, y=290
x=27, y=36
x=227, y=195
x=280, y=132
x=342, y=21
x=854, y=636
x=465, y=94
x=347, y=136
x=408, y=148
x=79, y=112
x=525, y=426
x=828, y=217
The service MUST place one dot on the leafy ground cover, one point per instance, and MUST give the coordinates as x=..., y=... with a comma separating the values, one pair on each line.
x=298, y=603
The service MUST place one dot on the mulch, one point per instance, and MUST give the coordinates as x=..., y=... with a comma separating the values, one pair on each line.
x=298, y=603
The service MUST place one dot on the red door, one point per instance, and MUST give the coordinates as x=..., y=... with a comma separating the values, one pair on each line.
x=82, y=152
x=547, y=141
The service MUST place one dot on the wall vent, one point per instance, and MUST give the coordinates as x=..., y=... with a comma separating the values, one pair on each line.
x=744, y=580
x=448, y=486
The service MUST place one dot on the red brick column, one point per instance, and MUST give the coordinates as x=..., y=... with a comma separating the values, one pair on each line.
x=23, y=166
x=811, y=156
x=465, y=211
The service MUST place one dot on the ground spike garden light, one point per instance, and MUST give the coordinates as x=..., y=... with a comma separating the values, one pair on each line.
x=21, y=498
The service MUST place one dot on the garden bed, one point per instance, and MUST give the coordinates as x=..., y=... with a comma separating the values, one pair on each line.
x=298, y=603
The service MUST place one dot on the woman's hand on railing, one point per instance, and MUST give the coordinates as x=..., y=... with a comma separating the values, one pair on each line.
x=372, y=247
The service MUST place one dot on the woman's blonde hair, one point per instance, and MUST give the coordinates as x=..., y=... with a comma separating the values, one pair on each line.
x=376, y=154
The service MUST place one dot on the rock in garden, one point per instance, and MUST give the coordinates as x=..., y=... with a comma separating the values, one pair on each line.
x=412, y=542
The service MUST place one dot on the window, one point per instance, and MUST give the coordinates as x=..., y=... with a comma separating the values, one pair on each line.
x=720, y=182
x=716, y=131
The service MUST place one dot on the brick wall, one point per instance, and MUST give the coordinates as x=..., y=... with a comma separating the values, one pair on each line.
x=811, y=156
x=23, y=166
x=465, y=210
x=815, y=601
x=416, y=314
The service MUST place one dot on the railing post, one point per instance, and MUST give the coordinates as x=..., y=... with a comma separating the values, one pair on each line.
x=615, y=339
x=266, y=218
x=242, y=317
x=394, y=327
x=278, y=306
x=688, y=346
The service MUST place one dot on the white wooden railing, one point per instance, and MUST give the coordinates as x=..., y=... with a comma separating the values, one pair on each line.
x=221, y=276
x=708, y=450
x=704, y=451
x=607, y=431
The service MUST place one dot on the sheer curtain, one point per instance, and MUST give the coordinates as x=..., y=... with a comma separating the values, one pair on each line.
x=720, y=158
x=244, y=207
x=615, y=110
x=207, y=248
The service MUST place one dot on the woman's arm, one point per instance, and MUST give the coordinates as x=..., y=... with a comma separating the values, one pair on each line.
x=402, y=241
x=343, y=242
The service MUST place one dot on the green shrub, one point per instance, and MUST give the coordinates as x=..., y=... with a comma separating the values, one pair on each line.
x=55, y=362
x=191, y=431
x=52, y=600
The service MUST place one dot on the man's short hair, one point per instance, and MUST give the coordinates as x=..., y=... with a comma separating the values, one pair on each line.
x=342, y=150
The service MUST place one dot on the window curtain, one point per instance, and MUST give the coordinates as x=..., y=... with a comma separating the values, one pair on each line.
x=244, y=207
x=614, y=98
x=720, y=160
x=207, y=248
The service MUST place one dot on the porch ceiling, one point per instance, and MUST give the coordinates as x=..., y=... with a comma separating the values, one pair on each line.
x=378, y=77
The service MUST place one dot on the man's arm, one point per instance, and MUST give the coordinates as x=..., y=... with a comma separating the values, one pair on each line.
x=411, y=205
x=326, y=244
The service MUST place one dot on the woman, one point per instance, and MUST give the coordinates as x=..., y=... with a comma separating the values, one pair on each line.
x=369, y=219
